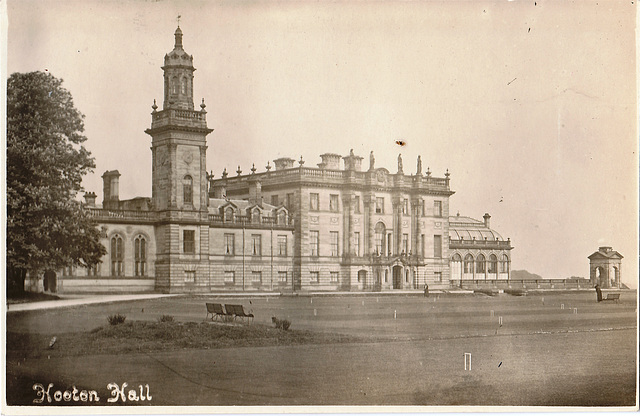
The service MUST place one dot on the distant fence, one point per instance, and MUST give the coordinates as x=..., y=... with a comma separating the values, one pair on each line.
x=526, y=284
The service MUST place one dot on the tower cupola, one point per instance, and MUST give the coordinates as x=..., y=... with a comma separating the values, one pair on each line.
x=178, y=76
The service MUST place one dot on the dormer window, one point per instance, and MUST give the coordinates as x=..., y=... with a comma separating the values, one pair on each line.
x=228, y=214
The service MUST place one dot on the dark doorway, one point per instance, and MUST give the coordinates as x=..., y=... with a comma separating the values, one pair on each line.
x=397, y=277
x=50, y=282
x=362, y=278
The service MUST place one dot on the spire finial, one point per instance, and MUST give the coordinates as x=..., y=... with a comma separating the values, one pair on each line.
x=178, y=19
x=178, y=35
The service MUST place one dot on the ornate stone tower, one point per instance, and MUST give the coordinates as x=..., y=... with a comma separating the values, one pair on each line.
x=604, y=268
x=179, y=183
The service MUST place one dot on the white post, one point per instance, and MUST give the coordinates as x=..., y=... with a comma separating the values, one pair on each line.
x=467, y=361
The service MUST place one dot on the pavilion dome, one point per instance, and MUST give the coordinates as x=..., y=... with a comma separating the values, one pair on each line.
x=467, y=228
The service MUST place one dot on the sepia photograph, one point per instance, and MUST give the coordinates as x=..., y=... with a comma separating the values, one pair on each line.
x=319, y=206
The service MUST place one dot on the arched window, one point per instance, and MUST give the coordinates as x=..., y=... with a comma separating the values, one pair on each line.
x=493, y=264
x=480, y=264
x=282, y=218
x=117, y=255
x=184, y=86
x=187, y=190
x=504, y=264
x=174, y=85
x=255, y=215
x=468, y=263
x=380, y=231
x=140, y=255
x=456, y=267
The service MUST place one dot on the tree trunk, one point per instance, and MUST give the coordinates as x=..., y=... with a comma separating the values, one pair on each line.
x=15, y=282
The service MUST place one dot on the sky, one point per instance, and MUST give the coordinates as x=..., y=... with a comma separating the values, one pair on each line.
x=530, y=105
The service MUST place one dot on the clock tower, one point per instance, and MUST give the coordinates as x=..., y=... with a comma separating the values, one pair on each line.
x=179, y=178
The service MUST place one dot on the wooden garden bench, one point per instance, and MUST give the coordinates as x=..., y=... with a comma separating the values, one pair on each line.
x=238, y=312
x=216, y=310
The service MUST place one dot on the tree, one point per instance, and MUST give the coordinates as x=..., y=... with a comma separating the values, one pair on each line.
x=47, y=229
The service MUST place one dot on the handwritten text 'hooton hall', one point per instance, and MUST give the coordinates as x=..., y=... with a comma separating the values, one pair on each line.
x=118, y=393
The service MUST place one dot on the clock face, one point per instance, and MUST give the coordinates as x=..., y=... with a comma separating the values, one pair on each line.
x=188, y=158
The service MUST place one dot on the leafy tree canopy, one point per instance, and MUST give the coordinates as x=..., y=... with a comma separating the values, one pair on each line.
x=46, y=226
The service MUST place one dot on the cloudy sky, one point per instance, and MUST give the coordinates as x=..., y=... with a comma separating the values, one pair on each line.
x=531, y=105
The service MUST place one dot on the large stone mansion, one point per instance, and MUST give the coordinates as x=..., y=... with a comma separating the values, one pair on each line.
x=345, y=225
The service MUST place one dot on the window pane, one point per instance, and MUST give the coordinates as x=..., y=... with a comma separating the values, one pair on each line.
x=314, y=243
x=333, y=202
x=314, y=202
x=334, y=243
x=189, y=241
x=437, y=246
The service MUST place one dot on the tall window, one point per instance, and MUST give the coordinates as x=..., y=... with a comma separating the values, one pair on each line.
x=282, y=277
x=468, y=264
x=422, y=244
x=140, y=255
x=174, y=85
x=379, y=205
x=314, y=242
x=437, y=246
x=437, y=208
x=189, y=241
x=438, y=276
x=333, y=277
x=184, y=86
x=282, y=245
x=315, y=277
x=405, y=207
x=504, y=264
x=187, y=190
x=356, y=243
x=274, y=200
x=480, y=264
x=493, y=264
x=314, y=202
x=422, y=207
x=256, y=277
x=290, y=201
x=229, y=276
x=256, y=245
x=380, y=236
x=334, y=243
x=333, y=202
x=405, y=243
x=229, y=244
x=356, y=204
x=117, y=255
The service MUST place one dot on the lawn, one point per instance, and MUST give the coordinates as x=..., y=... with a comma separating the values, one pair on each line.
x=557, y=350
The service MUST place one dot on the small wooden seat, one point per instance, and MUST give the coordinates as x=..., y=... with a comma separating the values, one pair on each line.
x=614, y=297
x=240, y=313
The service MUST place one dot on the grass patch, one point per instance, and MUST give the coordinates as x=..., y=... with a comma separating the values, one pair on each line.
x=143, y=336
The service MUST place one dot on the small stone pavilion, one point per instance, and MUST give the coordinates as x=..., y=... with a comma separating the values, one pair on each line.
x=604, y=268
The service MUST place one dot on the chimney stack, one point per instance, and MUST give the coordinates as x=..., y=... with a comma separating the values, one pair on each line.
x=255, y=192
x=487, y=217
x=90, y=199
x=110, y=189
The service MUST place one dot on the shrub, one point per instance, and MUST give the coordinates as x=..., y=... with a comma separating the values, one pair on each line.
x=166, y=318
x=116, y=319
x=281, y=323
